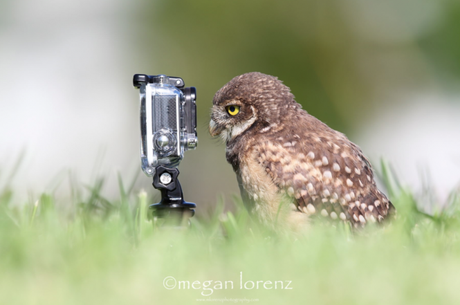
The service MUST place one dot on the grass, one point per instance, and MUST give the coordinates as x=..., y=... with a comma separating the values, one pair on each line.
x=89, y=250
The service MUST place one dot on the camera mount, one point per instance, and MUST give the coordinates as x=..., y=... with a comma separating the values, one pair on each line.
x=172, y=205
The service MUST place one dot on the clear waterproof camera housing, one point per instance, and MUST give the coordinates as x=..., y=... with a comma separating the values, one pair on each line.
x=168, y=120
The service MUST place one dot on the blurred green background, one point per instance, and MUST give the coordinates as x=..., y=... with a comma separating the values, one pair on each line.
x=386, y=73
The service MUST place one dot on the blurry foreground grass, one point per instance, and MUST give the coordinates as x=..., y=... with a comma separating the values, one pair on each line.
x=108, y=252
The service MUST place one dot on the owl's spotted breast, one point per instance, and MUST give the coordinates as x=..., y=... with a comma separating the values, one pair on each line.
x=294, y=156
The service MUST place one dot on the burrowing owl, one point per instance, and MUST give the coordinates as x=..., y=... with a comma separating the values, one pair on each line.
x=279, y=152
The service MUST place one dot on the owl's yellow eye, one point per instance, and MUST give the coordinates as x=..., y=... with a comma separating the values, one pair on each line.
x=233, y=109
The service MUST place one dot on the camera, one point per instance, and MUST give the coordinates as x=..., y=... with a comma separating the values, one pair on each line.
x=168, y=120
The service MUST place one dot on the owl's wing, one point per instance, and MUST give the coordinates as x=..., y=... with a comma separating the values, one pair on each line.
x=325, y=175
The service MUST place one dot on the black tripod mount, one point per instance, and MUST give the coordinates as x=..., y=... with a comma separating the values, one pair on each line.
x=172, y=207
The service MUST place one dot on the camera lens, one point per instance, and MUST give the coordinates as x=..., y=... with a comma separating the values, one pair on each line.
x=162, y=141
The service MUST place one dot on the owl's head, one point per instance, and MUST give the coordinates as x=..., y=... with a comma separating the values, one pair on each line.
x=248, y=100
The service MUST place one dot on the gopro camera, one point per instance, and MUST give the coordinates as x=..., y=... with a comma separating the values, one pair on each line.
x=168, y=120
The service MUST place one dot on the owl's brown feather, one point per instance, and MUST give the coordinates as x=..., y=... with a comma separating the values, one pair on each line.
x=286, y=153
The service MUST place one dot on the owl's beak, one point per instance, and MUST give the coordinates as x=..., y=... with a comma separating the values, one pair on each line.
x=214, y=128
